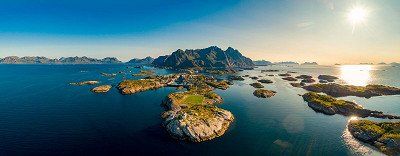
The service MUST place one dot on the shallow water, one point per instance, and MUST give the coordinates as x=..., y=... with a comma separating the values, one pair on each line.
x=40, y=114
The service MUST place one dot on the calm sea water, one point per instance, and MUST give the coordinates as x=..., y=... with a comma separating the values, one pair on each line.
x=40, y=114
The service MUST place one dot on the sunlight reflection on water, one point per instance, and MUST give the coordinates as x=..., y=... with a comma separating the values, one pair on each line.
x=358, y=75
x=355, y=146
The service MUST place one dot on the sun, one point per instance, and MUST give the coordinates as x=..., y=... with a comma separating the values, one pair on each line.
x=357, y=15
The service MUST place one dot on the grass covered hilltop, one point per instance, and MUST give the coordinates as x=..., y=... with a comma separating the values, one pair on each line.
x=192, y=115
x=383, y=135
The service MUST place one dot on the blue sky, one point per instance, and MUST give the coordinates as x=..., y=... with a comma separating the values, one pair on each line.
x=307, y=30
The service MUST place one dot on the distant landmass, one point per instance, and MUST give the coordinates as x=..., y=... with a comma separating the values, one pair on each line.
x=286, y=63
x=309, y=63
x=366, y=63
x=262, y=63
x=211, y=57
x=144, y=61
x=63, y=60
x=395, y=64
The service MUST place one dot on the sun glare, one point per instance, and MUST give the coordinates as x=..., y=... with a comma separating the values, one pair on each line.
x=358, y=75
x=357, y=15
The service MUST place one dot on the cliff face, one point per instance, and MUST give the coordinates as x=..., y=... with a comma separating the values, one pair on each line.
x=63, y=60
x=211, y=57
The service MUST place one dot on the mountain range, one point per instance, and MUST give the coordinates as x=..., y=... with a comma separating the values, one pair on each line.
x=211, y=57
x=262, y=63
x=144, y=61
x=63, y=60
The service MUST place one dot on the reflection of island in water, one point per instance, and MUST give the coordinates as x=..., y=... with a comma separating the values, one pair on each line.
x=358, y=75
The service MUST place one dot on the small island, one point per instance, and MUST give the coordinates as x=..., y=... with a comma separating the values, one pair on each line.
x=101, y=89
x=237, y=78
x=298, y=85
x=328, y=78
x=385, y=136
x=219, y=84
x=133, y=86
x=144, y=73
x=264, y=93
x=303, y=77
x=329, y=105
x=338, y=90
x=265, y=81
x=257, y=85
x=289, y=78
x=92, y=82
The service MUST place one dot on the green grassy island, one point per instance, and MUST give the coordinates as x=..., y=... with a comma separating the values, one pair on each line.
x=192, y=115
x=338, y=90
x=383, y=135
x=329, y=105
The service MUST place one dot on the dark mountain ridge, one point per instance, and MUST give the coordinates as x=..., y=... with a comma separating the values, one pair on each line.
x=211, y=57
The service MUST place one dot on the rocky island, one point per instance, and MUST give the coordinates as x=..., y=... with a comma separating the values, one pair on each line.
x=257, y=85
x=92, y=82
x=101, y=89
x=289, y=78
x=144, y=73
x=134, y=86
x=338, y=90
x=329, y=105
x=265, y=81
x=385, y=136
x=192, y=115
x=264, y=93
x=327, y=78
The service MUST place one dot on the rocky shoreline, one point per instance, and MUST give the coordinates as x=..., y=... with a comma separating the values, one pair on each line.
x=385, y=136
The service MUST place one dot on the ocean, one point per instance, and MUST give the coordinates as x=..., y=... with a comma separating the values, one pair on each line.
x=41, y=114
